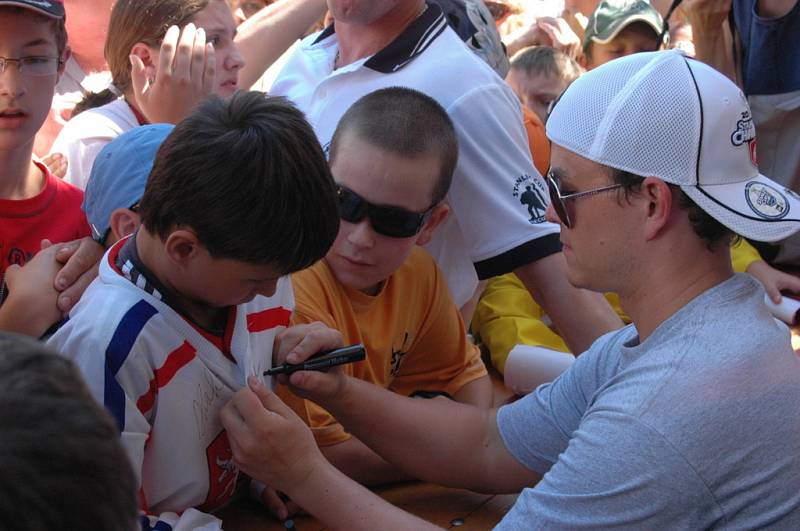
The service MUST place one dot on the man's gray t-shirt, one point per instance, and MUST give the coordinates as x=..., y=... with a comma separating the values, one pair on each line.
x=696, y=427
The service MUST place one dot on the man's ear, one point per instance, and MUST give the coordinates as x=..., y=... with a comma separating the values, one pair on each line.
x=656, y=202
x=123, y=223
x=438, y=215
x=182, y=247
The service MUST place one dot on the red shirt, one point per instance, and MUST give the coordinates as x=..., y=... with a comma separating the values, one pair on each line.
x=55, y=213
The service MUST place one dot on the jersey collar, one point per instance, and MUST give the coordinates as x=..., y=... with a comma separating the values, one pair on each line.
x=407, y=46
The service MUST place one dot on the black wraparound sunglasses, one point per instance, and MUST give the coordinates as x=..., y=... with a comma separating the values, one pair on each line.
x=391, y=221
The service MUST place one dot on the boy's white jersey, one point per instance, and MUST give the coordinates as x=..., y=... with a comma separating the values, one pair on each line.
x=164, y=383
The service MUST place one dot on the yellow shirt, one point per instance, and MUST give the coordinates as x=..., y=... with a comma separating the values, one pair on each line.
x=413, y=333
x=507, y=315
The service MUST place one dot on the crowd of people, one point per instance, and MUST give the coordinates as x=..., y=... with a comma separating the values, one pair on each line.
x=225, y=187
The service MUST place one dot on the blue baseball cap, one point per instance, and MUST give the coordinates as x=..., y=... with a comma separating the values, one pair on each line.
x=119, y=175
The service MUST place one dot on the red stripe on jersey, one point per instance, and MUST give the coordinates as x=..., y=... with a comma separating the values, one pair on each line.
x=268, y=319
x=162, y=376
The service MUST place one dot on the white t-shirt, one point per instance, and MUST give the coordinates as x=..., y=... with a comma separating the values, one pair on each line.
x=84, y=136
x=491, y=231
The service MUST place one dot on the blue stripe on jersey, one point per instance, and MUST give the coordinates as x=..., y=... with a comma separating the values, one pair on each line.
x=117, y=352
x=160, y=526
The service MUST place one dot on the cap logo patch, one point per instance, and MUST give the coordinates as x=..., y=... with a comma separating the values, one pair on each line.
x=766, y=201
x=745, y=130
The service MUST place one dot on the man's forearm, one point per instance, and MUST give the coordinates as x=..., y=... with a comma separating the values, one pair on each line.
x=581, y=316
x=341, y=503
x=358, y=462
x=434, y=440
x=264, y=37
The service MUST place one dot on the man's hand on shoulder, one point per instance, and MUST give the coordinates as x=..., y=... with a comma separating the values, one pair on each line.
x=81, y=259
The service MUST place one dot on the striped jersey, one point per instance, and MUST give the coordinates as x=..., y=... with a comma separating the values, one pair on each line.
x=164, y=381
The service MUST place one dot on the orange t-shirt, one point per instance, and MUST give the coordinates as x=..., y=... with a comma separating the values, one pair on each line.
x=413, y=334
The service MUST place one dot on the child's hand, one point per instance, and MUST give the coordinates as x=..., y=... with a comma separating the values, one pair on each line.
x=56, y=163
x=774, y=281
x=185, y=75
x=269, y=441
x=81, y=259
x=31, y=306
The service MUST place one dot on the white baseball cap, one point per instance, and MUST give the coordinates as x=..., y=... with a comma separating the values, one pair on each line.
x=665, y=115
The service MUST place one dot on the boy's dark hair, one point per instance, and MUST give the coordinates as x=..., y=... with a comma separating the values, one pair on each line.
x=406, y=122
x=714, y=233
x=59, y=27
x=249, y=177
x=62, y=465
x=546, y=61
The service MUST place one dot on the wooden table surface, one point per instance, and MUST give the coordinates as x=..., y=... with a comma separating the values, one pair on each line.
x=443, y=506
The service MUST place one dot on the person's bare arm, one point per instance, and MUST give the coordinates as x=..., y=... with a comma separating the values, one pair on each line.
x=270, y=443
x=712, y=35
x=581, y=316
x=353, y=458
x=437, y=440
x=264, y=37
x=477, y=393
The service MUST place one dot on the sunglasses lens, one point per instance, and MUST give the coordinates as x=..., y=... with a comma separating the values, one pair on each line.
x=558, y=204
x=395, y=222
x=351, y=207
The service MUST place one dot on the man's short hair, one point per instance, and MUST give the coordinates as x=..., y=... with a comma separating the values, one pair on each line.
x=406, y=122
x=62, y=465
x=546, y=61
x=248, y=176
x=712, y=232
x=58, y=25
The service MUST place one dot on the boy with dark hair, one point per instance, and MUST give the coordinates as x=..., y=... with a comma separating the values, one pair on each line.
x=61, y=463
x=34, y=204
x=189, y=306
x=392, y=155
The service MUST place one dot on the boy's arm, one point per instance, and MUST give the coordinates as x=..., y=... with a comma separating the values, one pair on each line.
x=581, y=316
x=265, y=36
x=712, y=35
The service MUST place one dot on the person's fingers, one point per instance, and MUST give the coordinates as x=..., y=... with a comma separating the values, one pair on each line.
x=274, y=503
x=11, y=273
x=198, y=57
x=70, y=296
x=78, y=257
x=210, y=72
x=183, y=54
x=316, y=384
x=138, y=77
x=44, y=244
x=268, y=399
x=310, y=340
x=773, y=291
x=168, y=51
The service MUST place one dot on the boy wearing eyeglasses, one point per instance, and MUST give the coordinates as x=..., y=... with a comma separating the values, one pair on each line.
x=392, y=156
x=34, y=204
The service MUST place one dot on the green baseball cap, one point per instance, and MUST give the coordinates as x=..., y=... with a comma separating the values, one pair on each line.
x=612, y=16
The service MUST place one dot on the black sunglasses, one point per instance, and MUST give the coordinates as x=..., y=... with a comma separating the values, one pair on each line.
x=389, y=221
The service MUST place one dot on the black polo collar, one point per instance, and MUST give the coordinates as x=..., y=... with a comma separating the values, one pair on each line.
x=408, y=45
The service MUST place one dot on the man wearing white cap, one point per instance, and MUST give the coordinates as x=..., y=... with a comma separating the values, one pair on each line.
x=685, y=419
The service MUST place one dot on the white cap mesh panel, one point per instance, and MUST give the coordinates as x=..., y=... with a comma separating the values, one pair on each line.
x=643, y=114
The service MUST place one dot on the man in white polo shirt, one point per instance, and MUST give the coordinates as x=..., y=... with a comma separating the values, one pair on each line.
x=380, y=43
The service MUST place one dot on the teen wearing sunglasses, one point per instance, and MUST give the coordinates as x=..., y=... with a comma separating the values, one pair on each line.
x=392, y=155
